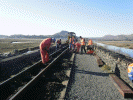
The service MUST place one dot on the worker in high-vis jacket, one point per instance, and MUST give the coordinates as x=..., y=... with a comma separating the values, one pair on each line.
x=44, y=49
x=71, y=43
x=58, y=43
x=77, y=46
x=90, y=47
x=90, y=42
x=82, y=40
x=130, y=72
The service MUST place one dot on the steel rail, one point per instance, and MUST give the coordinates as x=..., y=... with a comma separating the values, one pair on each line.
x=28, y=68
x=34, y=80
x=6, y=84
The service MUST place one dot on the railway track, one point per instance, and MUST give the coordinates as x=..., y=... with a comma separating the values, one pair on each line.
x=13, y=65
x=27, y=84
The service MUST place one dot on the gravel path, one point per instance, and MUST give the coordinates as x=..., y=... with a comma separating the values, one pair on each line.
x=89, y=82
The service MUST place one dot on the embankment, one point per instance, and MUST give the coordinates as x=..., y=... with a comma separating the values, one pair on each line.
x=118, y=62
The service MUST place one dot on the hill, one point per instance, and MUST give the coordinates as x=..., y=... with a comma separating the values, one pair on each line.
x=117, y=38
x=63, y=35
x=3, y=36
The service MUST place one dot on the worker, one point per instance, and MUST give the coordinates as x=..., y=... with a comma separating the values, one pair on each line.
x=90, y=47
x=77, y=46
x=54, y=40
x=71, y=43
x=90, y=43
x=82, y=40
x=74, y=41
x=44, y=49
x=58, y=43
x=130, y=72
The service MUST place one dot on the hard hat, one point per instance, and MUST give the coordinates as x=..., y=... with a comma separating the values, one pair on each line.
x=130, y=72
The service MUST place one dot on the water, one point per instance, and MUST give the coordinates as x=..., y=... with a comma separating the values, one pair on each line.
x=28, y=52
x=21, y=42
x=121, y=50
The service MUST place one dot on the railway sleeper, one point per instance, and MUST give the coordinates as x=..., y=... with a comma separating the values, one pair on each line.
x=55, y=78
x=18, y=82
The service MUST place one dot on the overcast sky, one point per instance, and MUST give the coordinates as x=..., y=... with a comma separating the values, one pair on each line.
x=88, y=18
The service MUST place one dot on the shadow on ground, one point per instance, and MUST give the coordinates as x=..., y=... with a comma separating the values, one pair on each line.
x=93, y=73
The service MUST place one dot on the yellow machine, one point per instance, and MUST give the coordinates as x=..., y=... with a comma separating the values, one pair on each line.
x=70, y=35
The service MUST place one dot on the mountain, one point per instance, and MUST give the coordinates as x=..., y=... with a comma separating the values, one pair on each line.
x=30, y=36
x=121, y=37
x=130, y=37
x=3, y=36
x=62, y=34
x=108, y=37
x=117, y=38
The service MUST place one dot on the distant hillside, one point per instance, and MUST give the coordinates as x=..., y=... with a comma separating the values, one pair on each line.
x=130, y=37
x=108, y=37
x=3, y=36
x=62, y=34
x=29, y=36
x=117, y=38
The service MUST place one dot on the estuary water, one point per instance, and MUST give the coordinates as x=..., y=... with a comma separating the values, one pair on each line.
x=20, y=42
x=121, y=50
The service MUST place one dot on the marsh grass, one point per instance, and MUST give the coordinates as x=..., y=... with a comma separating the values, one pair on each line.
x=6, y=45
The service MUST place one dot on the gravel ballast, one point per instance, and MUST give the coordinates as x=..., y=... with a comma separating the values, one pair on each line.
x=89, y=82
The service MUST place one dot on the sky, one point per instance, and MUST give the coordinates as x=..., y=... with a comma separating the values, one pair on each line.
x=87, y=18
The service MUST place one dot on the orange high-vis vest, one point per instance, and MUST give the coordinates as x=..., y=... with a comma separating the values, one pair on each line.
x=71, y=40
x=90, y=42
x=130, y=68
x=82, y=42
